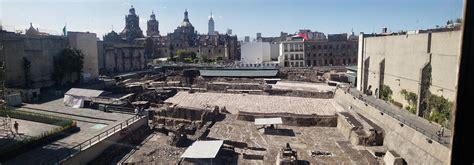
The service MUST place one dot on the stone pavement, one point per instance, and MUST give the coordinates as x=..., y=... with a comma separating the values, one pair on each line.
x=423, y=126
x=91, y=123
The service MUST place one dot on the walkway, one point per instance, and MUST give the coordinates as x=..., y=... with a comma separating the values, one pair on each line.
x=91, y=122
x=420, y=124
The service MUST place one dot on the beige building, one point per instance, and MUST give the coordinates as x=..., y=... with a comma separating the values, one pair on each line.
x=398, y=61
x=87, y=43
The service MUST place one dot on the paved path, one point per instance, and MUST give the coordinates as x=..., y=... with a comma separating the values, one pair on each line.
x=420, y=124
x=91, y=122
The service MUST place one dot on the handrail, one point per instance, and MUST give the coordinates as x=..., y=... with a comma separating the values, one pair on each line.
x=400, y=119
x=91, y=141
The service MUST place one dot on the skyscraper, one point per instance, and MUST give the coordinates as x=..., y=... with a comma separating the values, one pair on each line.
x=211, y=25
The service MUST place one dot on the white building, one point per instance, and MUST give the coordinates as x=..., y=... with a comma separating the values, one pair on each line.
x=292, y=54
x=254, y=53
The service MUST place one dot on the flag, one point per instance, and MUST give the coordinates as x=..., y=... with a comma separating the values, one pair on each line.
x=64, y=30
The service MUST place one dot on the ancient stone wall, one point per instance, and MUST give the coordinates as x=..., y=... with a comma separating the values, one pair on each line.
x=301, y=93
x=293, y=119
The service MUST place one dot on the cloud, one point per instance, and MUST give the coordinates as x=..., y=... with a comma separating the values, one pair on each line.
x=220, y=17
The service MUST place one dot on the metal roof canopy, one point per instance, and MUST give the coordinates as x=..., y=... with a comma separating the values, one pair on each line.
x=203, y=149
x=268, y=121
x=84, y=92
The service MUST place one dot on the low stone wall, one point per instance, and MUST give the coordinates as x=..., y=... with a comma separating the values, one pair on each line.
x=293, y=119
x=412, y=145
x=357, y=134
x=222, y=86
x=301, y=93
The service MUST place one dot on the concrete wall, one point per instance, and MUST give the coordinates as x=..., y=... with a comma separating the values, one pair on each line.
x=87, y=43
x=92, y=152
x=39, y=50
x=406, y=141
x=255, y=52
x=404, y=57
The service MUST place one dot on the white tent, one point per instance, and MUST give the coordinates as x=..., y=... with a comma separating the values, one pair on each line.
x=75, y=96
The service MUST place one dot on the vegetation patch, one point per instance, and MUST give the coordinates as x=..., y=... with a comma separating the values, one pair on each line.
x=412, y=99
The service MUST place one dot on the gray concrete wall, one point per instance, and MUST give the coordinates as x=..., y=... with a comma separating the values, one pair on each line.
x=406, y=141
x=92, y=152
x=39, y=50
x=405, y=56
x=87, y=43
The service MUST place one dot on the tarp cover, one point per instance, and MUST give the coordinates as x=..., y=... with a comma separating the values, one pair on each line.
x=89, y=93
x=203, y=149
x=73, y=101
x=268, y=121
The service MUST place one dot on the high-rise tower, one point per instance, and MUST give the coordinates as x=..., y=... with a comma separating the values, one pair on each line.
x=211, y=25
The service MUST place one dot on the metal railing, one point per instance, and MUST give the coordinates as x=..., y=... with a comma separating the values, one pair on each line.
x=400, y=119
x=60, y=157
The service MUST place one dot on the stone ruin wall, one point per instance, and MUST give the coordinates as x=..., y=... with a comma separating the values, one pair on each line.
x=236, y=86
x=174, y=115
x=299, y=93
x=293, y=119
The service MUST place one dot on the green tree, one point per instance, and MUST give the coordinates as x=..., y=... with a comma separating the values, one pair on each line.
x=412, y=99
x=386, y=93
x=26, y=72
x=67, y=62
x=186, y=56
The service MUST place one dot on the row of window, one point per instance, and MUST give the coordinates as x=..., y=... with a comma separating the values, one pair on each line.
x=320, y=62
x=337, y=46
x=330, y=54
x=294, y=56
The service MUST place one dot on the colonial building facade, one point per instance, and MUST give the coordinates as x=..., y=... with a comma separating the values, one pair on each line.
x=125, y=52
x=130, y=50
x=185, y=37
x=336, y=50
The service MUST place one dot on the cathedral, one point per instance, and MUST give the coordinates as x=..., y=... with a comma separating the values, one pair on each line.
x=130, y=50
x=211, y=45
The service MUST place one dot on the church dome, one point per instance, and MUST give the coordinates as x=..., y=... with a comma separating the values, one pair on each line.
x=185, y=24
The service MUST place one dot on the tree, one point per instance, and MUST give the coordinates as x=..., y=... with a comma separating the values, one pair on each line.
x=26, y=72
x=186, y=56
x=67, y=62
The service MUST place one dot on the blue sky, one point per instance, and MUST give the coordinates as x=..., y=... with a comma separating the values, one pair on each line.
x=244, y=17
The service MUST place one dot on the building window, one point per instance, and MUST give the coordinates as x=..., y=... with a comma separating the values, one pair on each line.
x=319, y=54
x=330, y=54
x=325, y=47
x=330, y=46
x=325, y=54
x=314, y=63
x=308, y=62
x=301, y=64
x=319, y=46
x=286, y=56
x=220, y=51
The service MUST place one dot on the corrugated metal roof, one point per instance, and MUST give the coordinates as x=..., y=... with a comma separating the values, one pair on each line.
x=239, y=73
x=203, y=149
x=268, y=121
x=84, y=92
